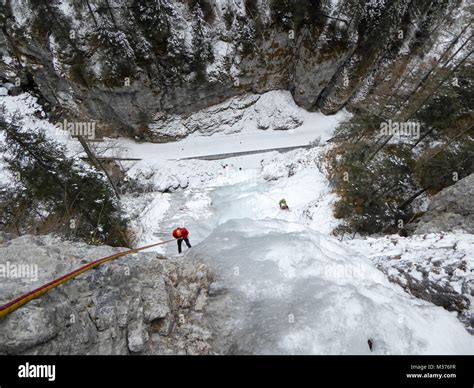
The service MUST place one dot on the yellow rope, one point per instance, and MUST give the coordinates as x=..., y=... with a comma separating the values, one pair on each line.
x=25, y=298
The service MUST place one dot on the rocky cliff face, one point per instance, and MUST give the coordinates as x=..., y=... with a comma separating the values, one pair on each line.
x=141, y=304
x=451, y=209
x=129, y=64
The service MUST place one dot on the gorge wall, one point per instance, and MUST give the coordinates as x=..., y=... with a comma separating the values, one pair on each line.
x=126, y=64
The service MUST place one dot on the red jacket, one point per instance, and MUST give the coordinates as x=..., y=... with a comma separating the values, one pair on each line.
x=184, y=233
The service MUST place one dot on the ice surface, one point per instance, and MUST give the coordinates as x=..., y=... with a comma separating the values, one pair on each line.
x=296, y=291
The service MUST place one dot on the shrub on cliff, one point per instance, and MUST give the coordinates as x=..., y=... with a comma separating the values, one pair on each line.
x=369, y=194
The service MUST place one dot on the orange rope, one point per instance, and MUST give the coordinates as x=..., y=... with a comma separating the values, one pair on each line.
x=25, y=298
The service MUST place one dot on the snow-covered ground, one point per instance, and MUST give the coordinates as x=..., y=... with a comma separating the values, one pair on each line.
x=283, y=283
x=437, y=267
x=424, y=256
x=242, y=124
x=187, y=191
x=205, y=194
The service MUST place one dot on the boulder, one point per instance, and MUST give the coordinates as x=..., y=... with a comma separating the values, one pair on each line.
x=451, y=209
x=131, y=305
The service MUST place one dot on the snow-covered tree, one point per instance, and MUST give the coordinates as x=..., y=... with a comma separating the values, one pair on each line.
x=56, y=193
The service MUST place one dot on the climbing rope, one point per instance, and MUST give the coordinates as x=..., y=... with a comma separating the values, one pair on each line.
x=266, y=195
x=25, y=298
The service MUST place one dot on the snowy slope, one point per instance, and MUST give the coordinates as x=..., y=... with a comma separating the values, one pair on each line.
x=437, y=267
x=291, y=290
x=204, y=194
